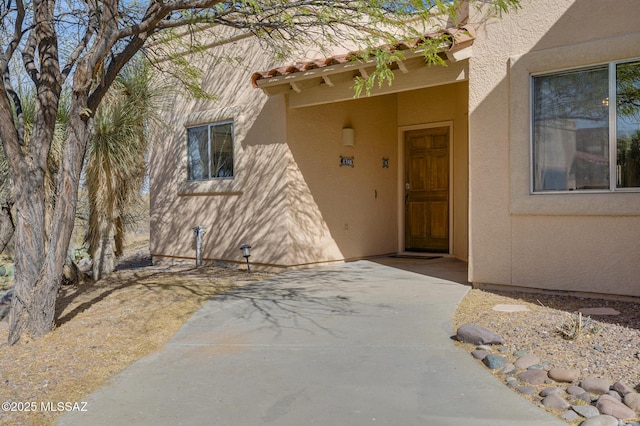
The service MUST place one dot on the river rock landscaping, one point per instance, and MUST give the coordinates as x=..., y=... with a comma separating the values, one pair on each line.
x=585, y=369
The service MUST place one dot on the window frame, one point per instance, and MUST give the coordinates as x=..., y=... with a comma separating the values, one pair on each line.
x=612, y=122
x=233, y=157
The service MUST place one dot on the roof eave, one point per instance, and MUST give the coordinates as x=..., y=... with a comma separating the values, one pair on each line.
x=293, y=77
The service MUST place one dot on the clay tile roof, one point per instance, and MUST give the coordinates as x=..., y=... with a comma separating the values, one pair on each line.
x=460, y=38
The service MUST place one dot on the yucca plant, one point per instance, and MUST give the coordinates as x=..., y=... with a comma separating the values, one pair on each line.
x=116, y=165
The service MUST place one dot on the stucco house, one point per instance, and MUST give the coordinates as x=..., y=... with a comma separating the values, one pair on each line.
x=520, y=157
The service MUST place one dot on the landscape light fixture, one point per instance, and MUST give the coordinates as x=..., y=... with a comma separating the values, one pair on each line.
x=246, y=252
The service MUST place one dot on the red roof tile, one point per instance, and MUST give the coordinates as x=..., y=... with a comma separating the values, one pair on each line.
x=461, y=37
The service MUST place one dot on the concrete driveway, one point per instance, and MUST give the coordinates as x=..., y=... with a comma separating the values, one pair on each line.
x=358, y=343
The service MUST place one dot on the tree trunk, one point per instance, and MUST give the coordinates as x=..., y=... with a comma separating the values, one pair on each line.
x=104, y=257
x=39, y=269
x=101, y=219
x=29, y=250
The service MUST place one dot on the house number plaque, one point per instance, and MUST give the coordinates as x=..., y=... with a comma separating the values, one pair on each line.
x=346, y=161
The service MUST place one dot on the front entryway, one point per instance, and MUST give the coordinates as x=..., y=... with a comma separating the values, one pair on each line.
x=427, y=190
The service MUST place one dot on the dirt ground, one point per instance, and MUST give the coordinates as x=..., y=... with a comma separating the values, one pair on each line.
x=102, y=328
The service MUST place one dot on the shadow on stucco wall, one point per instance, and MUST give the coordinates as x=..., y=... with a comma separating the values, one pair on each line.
x=291, y=212
x=260, y=211
x=572, y=242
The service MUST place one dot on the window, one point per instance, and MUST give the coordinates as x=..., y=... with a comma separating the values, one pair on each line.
x=580, y=138
x=210, y=151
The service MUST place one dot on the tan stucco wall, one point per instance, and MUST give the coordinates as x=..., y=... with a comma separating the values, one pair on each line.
x=295, y=205
x=354, y=212
x=289, y=198
x=250, y=208
x=578, y=242
x=357, y=205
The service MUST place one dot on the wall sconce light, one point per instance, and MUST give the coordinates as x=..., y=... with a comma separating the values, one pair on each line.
x=246, y=252
x=348, y=136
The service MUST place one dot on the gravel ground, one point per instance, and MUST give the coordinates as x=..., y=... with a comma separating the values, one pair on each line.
x=608, y=346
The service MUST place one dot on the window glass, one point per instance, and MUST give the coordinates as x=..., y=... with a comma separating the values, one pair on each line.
x=221, y=150
x=198, y=152
x=571, y=131
x=628, y=124
x=210, y=151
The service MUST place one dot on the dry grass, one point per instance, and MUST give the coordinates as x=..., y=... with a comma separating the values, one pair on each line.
x=102, y=328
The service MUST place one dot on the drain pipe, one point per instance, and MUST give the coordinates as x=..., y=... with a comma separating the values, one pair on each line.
x=198, y=232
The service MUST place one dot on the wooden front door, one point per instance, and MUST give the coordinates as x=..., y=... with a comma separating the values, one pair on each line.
x=427, y=190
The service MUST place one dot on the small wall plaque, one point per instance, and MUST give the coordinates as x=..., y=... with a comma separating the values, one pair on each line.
x=346, y=161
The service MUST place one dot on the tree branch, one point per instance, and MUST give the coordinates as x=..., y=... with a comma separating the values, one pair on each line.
x=8, y=133
x=17, y=34
x=4, y=70
x=17, y=103
x=114, y=67
x=28, y=60
x=154, y=14
x=82, y=45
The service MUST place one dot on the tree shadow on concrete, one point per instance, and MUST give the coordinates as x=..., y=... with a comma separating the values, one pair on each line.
x=295, y=301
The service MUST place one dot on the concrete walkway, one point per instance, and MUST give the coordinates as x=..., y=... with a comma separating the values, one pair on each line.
x=352, y=344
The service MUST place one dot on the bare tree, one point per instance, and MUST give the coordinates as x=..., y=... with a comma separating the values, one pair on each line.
x=83, y=45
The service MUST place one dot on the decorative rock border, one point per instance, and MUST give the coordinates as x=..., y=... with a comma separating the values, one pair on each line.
x=559, y=390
